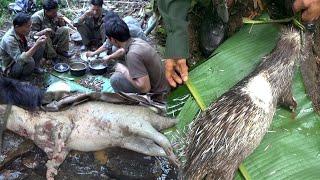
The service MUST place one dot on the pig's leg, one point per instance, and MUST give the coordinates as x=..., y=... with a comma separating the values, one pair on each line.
x=143, y=145
x=53, y=163
x=160, y=122
x=51, y=137
x=144, y=129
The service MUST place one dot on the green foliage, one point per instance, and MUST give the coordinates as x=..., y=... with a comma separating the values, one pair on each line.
x=4, y=6
x=161, y=34
x=4, y=11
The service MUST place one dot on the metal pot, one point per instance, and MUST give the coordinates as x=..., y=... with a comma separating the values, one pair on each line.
x=61, y=67
x=97, y=67
x=78, y=68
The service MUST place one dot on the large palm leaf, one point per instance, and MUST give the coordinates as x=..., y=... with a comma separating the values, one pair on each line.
x=291, y=150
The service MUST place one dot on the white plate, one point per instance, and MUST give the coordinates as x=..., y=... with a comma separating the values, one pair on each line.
x=85, y=58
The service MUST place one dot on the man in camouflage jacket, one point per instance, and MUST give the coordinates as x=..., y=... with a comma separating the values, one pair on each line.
x=90, y=25
x=18, y=60
x=49, y=22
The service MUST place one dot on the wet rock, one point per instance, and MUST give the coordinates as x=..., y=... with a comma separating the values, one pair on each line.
x=30, y=165
x=77, y=166
x=80, y=165
x=126, y=164
x=115, y=162
x=14, y=146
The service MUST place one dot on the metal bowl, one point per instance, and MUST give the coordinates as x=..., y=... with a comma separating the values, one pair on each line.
x=97, y=67
x=78, y=68
x=61, y=67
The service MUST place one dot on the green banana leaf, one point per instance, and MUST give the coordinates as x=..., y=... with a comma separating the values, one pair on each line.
x=291, y=148
x=74, y=84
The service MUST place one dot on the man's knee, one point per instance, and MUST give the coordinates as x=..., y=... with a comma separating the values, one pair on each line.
x=62, y=31
x=62, y=34
x=22, y=69
x=39, y=54
x=120, y=83
x=28, y=67
x=116, y=79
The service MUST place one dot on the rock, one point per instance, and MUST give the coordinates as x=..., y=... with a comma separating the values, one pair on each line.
x=14, y=146
x=77, y=166
x=115, y=162
x=81, y=165
x=126, y=164
x=134, y=27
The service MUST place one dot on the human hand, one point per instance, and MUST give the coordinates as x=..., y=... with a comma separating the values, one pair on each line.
x=88, y=13
x=61, y=21
x=310, y=9
x=41, y=40
x=104, y=62
x=90, y=54
x=46, y=31
x=176, y=71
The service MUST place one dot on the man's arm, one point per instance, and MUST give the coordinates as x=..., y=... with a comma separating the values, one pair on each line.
x=98, y=51
x=174, y=13
x=142, y=83
x=40, y=41
x=116, y=55
x=137, y=72
x=310, y=9
x=12, y=48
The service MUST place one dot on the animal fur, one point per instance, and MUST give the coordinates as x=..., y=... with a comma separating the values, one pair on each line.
x=233, y=126
x=20, y=94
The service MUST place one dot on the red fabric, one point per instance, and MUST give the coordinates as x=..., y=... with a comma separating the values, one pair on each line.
x=23, y=39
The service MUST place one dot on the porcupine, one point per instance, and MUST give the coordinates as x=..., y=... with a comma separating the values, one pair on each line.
x=234, y=125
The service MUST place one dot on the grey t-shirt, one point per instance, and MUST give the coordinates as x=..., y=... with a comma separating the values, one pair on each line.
x=143, y=60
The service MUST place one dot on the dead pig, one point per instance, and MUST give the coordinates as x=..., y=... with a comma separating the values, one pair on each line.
x=92, y=126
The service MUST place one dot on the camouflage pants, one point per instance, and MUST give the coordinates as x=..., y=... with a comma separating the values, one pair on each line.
x=58, y=43
x=90, y=34
x=26, y=67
